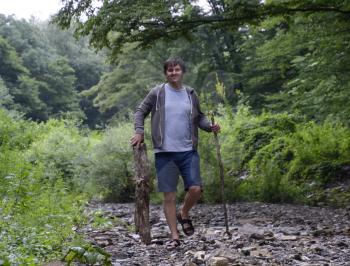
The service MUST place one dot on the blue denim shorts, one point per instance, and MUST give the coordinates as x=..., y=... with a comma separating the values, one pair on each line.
x=169, y=165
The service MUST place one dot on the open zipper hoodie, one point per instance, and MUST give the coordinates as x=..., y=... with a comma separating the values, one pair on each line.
x=154, y=103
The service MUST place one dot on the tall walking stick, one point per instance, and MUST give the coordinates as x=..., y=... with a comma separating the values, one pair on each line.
x=221, y=172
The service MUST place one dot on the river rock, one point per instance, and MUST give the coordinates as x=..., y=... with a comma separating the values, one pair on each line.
x=218, y=261
x=227, y=253
x=246, y=250
x=190, y=263
x=288, y=238
x=103, y=240
x=260, y=253
x=256, y=236
x=198, y=257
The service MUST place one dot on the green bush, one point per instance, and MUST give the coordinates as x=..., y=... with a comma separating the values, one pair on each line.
x=242, y=137
x=320, y=150
x=37, y=213
x=63, y=150
x=110, y=165
x=273, y=157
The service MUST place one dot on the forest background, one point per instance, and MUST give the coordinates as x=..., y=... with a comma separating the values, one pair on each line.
x=276, y=74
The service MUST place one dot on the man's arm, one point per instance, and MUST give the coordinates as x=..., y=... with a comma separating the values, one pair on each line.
x=203, y=122
x=141, y=113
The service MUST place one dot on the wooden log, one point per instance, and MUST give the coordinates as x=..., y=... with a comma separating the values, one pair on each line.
x=142, y=189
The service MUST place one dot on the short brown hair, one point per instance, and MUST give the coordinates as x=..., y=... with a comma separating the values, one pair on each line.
x=173, y=61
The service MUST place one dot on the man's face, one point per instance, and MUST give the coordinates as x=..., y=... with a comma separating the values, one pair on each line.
x=174, y=74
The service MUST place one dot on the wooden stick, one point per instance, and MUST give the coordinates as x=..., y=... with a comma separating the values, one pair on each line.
x=221, y=172
x=142, y=189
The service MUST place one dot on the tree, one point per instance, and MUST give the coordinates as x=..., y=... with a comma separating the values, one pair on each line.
x=88, y=65
x=11, y=65
x=60, y=94
x=116, y=23
x=6, y=100
x=44, y=68
x=26, y=95
x=300, y=64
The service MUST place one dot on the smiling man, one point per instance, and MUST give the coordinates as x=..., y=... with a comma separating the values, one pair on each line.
x=175, y=119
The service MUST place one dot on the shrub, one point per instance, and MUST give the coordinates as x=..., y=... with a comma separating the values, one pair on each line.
x=274, y=157
x=320, y=151
x=37, y=214
x=110, y=168
x=61, y=148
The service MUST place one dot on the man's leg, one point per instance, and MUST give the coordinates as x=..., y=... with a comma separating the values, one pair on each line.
x=169, y=206
x=190, y=171
x=191, y=198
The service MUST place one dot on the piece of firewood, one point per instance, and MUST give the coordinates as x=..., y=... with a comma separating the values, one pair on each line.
x=142, y=189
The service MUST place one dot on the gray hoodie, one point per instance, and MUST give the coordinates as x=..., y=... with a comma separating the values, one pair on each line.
x=154, y=102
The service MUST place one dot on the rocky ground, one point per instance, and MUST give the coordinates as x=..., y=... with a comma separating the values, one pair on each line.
x=262, y=234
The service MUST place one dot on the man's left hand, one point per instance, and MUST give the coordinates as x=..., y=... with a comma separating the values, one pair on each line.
x=215, y=128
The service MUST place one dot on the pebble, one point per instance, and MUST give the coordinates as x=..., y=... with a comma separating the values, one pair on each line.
x=218, y=261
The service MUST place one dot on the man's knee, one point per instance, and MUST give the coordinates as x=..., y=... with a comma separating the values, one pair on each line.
x=195, y=190
x=170, y=198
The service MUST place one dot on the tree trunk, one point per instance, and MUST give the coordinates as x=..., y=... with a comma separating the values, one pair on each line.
x=142, y=189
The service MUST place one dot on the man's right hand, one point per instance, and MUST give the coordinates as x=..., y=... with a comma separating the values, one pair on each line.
x=136, y=140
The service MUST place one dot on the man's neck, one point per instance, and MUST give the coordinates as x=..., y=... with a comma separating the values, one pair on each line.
x=176, y=85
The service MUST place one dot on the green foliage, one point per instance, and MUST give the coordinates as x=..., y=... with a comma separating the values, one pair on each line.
x=107, y=171
x=61, y=148
x=88, y=255
x=308, y=160
x=6, y=100
x=100, y=221
x=168, y=20
x=323, y=148
x=10, y=65
x=103, y=220
x=38, y=210
x=296, y=63
x=120, y=90
x=275, y=157
x=276, y=60
x=44, y=68
x=27, y=98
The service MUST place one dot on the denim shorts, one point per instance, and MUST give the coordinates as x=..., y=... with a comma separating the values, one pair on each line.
x=169, y=165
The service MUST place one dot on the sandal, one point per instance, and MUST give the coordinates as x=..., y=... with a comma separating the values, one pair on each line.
x=172, y=244
x=188, y=229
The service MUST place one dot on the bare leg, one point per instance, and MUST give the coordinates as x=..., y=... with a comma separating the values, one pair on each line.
x=192, y=196
x=170, y=213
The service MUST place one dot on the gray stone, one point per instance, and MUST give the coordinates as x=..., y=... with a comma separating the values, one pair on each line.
x=198, y=257
x=246, y=250
x=288, y=238
x=218, y=261
x=229, y=254
x=256, y=236
x=190, y=263
x=260, y=253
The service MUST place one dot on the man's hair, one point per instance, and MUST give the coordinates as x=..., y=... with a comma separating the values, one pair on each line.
x=173, y=61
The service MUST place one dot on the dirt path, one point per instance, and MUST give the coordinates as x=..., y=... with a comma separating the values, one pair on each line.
x=262, y=234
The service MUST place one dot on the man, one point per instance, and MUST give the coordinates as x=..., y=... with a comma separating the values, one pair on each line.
x=175, y=118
